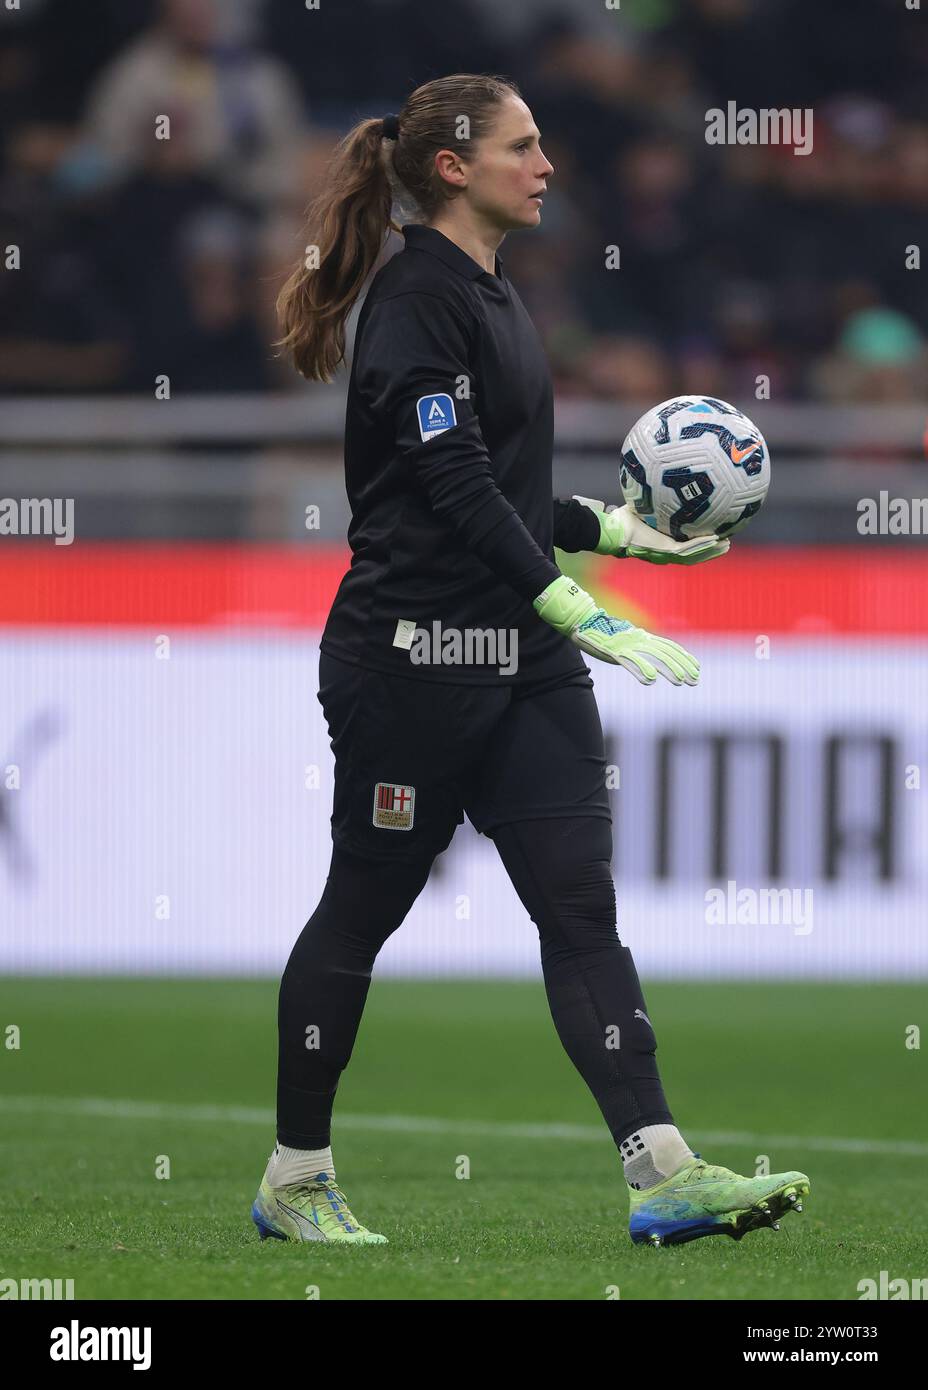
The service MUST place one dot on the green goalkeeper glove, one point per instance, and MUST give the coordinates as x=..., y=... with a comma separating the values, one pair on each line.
x=624, y=534
x=572, y=611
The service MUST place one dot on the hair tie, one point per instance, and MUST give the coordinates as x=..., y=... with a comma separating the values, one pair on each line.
x=391, y=127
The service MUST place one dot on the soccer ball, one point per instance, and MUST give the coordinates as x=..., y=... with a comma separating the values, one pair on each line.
x=695, y=465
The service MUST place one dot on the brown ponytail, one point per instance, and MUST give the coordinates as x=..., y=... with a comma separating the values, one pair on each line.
x=348, y=221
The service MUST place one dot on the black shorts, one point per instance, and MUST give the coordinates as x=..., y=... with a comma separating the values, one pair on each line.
x=412, y=756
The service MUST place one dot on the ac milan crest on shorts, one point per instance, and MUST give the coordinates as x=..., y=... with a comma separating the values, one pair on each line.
x=394, y=806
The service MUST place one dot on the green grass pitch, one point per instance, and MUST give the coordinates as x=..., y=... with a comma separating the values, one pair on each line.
x=111, y=1074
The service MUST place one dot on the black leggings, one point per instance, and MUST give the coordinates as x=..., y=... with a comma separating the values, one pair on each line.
x=561, y=869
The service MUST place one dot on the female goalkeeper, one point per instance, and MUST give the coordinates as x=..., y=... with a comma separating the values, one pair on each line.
x=450, y=670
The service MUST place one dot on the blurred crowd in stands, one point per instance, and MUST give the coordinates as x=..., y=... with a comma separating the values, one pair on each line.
x=141, y=256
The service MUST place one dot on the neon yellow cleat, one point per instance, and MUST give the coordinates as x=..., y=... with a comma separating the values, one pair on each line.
x=704, y=1200
x=304, y=1211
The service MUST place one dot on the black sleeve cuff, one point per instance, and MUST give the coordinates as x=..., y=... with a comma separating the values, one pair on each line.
x=576, y=527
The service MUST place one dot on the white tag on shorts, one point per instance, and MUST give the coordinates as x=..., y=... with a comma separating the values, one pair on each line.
x=405, y=627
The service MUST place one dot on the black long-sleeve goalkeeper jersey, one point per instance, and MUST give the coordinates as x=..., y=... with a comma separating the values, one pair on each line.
x=448, y=467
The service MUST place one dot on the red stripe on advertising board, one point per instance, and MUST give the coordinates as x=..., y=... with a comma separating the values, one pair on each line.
x=796, y=590
x=788, y=590
x=145, y=585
